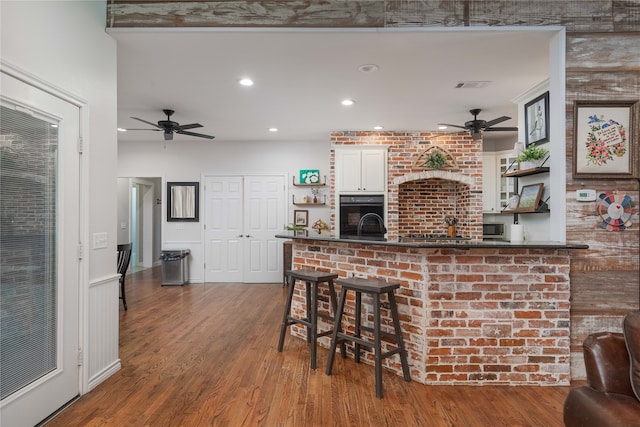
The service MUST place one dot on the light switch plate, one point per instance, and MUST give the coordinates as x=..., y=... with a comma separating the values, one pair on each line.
x=100, y=240
x=586, y=195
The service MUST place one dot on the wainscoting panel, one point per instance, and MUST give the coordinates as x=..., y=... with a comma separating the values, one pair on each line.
x=103, y=328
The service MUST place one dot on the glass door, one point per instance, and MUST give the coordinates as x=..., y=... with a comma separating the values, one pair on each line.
x=39, y=201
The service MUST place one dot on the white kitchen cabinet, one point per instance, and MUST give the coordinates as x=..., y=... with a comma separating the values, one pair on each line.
x=361, y=170
x=506, y=187
x=489, y=183
x=497, y=190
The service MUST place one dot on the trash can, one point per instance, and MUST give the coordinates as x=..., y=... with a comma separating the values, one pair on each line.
x=175, y=268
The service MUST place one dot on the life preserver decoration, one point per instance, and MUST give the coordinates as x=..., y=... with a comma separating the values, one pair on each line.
x=615, y=210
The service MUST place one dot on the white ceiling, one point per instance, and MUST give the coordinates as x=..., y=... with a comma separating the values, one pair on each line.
x=302, y=75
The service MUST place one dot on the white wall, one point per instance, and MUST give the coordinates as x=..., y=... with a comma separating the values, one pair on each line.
x=190, y=160
x=64, y=44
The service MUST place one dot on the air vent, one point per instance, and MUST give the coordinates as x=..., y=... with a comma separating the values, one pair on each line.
x=472, y=85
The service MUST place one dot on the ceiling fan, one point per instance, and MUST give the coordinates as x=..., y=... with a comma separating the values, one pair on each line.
x=476, y=127
x=170, y=127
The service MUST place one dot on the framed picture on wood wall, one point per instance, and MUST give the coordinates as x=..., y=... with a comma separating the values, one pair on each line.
x=536, y=120
x=605, y=143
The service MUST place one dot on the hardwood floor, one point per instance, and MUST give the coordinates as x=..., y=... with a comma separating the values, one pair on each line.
x=204, y=355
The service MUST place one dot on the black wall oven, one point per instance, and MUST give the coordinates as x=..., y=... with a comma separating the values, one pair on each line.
x=354, y=207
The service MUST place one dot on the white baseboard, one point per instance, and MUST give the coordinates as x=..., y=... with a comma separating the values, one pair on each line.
x=104, y=374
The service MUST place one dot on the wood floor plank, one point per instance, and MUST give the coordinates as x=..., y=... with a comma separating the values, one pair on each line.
x=205, y=355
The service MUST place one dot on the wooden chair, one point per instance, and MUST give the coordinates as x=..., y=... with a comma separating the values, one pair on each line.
x=124, y=258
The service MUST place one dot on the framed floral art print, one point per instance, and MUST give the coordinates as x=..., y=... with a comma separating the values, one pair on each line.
x=605, y=141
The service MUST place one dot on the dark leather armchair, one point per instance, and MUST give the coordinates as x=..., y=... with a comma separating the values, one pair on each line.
x=612, y=394
x=124, y=258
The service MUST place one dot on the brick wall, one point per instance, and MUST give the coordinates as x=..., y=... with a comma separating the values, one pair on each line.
x=480, y=316
x=418, y=199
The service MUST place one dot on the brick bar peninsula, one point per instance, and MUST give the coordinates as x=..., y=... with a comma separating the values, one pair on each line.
x=472, y=312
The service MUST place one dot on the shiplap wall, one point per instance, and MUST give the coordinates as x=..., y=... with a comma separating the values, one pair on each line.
x=602, y=63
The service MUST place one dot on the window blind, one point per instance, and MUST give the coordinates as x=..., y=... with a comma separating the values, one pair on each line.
x=28, y=261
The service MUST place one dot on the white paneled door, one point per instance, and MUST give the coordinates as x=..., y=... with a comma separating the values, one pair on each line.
x=243, y=214
x=39, y=271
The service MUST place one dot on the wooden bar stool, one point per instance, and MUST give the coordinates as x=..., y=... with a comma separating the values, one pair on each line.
x=374, y=288
x=312, y=279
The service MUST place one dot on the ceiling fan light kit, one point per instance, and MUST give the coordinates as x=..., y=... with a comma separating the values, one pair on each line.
x=169, y=127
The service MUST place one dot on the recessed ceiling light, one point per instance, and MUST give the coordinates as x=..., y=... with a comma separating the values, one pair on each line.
x=348, y=102
x=368, y=68
x=273, y=129
x=246, y=82
x=378, y=127
x=122, y=130
x=442, y=127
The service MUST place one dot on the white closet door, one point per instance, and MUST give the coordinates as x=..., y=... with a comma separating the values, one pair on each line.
x=243, y=214
x=264, y=218
x=224, y=235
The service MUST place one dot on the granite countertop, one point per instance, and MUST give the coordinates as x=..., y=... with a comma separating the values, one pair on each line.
x=436, y=243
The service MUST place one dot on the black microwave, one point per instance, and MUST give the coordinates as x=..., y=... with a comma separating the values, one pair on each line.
x=492, y=230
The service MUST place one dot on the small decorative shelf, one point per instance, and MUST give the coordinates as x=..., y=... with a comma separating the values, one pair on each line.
x=542, y=207
x=311, y=203
x=319, y=184
x=526, y=172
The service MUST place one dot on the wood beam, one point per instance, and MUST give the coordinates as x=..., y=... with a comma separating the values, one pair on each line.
x=575, y=15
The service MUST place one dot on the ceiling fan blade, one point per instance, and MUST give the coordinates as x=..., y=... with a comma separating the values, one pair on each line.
x=156, y=130
x=149, y=123
x=199, y=135
x=496, y=121
x=503, y=129
x=189, y=126
x=453, y=126
x=168, y=136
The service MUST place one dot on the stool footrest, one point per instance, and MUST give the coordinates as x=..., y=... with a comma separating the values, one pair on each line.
x=390, y=353
x=294, y=320
x=345, y=337
x=383, y=333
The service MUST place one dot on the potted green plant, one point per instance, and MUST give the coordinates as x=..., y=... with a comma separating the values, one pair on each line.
x=435, y=160
x=532, y=157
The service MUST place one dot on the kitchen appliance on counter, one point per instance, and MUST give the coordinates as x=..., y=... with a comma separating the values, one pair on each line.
x=362, y=215
x=492, y=231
